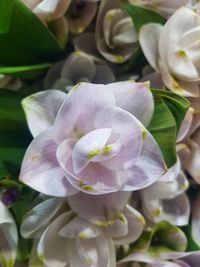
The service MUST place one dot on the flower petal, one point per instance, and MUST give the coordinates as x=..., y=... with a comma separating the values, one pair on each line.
x=149, y=36
x=39, y=216
x=41, y=109
x=52, y=247
x=77, y=114
x=79, y=228
x=88, y=147
x=149, y=167
x=40, y=168
x=135, y=98
x=136, y=224
x=127, y=130
x=196, y=220
x=111, y=203
x=9, y=237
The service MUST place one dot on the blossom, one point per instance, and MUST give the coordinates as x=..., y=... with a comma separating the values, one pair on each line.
x=80, y=15
x=162, y=244
x=65, y=238
x=48, y=10
x=188, y=146
x=187, y=259
x=166, y=199
x=93, y=139
x=173, y=51
x=78, y=67
x=9, y=237
x=165, y=8
x=115, y=36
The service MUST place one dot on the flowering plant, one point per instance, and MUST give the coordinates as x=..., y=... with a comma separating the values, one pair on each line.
x=99, y=133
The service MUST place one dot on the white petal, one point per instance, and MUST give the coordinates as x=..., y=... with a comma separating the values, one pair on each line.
x=8, y=237
x=149, y=39
x=41, y=109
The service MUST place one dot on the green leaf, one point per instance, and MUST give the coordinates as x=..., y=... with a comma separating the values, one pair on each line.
x=30, y=72
x=24, y=40
x=141, y=16
x=14, y=134
x=169, y=112
x=177, y=104
x=191, y=245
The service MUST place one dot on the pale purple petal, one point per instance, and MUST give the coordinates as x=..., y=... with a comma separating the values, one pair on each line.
x=41, y=109
x=93, y=252
x=81, y=204
x=149, y=167
x=39, y=217
x=89, y=146
x=40, y=168
x=80, y=108
x=79, y=228
x=135, y=98
x=9, y=237
x=196, y=220
x=136, y=225
x=52, y=247
x=126, y=128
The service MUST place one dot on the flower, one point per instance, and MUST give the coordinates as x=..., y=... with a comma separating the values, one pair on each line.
x=85, y=238
x=9, y=237
x=80, y=15
x=48, y=10
x=188, y=146
x=165, y=8
x=166, y=199
x=91, y=140
x=173, y=50
x=78, y=67
x=115, y=36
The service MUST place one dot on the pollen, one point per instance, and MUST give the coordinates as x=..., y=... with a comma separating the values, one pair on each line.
x=118, y=59
x=106, y=149
x=92, y=153
x=181, y=53
x=156, y=212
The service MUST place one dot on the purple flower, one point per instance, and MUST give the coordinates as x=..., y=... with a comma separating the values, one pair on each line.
x=91, y=140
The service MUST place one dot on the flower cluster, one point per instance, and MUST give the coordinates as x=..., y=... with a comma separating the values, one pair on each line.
x=99, y=133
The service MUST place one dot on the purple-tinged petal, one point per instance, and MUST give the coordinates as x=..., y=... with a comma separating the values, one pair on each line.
x=40, y=168
x=52, y=247
x=9, y=237
x=135, y=98
x=88, y=147
x=129, y=132
x=174, y=210
x=41, y=109
x=79, y=110
x=79, y=228
x=135, y=225
x=196, y=220
x=149, y=167
x=103, y=206
x=93, y=252
x=185, y=126
x=39, y=217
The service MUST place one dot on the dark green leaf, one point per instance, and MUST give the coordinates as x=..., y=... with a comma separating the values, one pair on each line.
x=24, y=40
x=14, y=135
x=191, y=245
x=25, y=72
x=141, y=16
x=169, y=112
